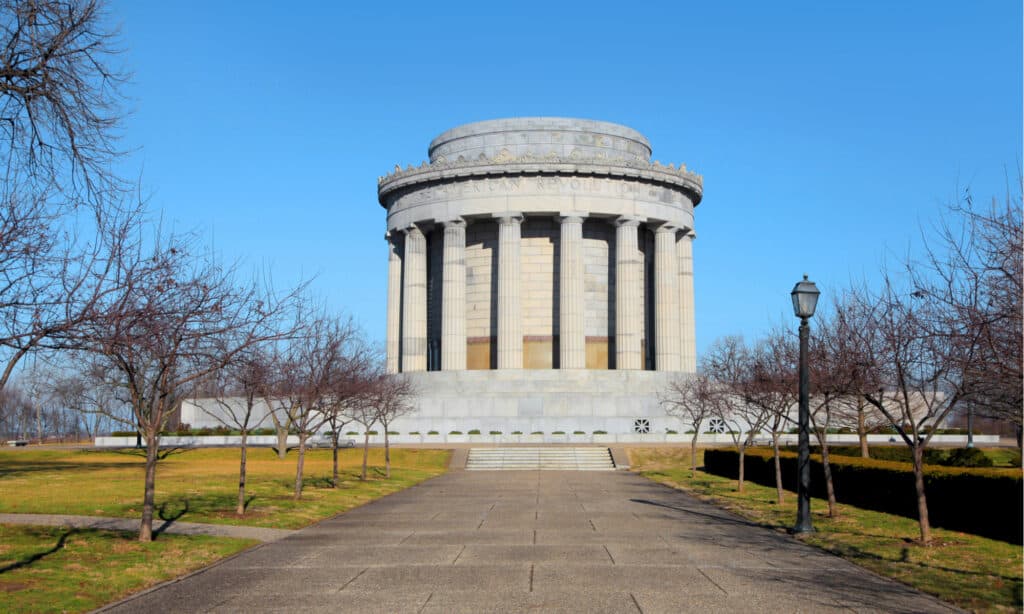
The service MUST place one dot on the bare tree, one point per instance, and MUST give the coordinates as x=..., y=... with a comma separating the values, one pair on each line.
x=240, y=405
x=178, y=318
x=971, y=273
x=728, y=362
x=82, y=389
x=59, y=99
x=693, y=399
x=771, y=390
x=280, y=416
x=911, y=352
x=364, y=413
x=61, y=213
x=16, y=412
x=836, y=381
x=337, y=418
x=390, y=396
x=312, y=365
x=348, y=388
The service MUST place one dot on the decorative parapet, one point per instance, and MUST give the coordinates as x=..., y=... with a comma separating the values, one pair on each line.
x=505, y=164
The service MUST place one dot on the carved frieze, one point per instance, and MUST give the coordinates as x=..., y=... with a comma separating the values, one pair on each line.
x=547, y=173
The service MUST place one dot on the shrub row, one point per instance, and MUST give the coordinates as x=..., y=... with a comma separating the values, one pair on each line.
x=985, y=502
x=952, y=457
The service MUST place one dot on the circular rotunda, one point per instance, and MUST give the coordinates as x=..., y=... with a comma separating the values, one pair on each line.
x=540, y=277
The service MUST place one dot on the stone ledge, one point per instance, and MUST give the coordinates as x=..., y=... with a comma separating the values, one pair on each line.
x=652, y=172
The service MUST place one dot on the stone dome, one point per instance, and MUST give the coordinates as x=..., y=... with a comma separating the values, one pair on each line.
x=541, y=137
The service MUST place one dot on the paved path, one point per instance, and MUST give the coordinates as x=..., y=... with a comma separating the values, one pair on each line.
x=132, y=524
x=539, y=541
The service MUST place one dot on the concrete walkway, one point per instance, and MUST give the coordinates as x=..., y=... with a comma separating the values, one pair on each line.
x=541, y=541
x=132, y=524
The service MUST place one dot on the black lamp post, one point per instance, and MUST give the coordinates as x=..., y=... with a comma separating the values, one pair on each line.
x=805, y=299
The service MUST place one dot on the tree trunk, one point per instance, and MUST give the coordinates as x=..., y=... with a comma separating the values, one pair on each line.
x=779, y=492
x=833, y=510
x=282, y=442
x=240, y=509
x=743, y=452
x=387, y=455
x=862, y=434
x=148, y=499
x=366, y=453
x=334, y=452
x=922, y=501
x=693, y=453
x=299, y=465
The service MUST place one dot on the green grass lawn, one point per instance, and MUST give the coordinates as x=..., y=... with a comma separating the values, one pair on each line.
x=60, y=569
x=972, y=572
x=54, y=569
x=201, y=485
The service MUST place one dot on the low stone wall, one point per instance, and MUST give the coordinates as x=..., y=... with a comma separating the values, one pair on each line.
x=525, y=439
x=189, y=441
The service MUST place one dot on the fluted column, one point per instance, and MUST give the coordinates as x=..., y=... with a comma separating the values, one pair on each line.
x=687, y=337
x=629, y=318
x=394, y=303
x=453, y=297
x=414, y=302
x=667, y=333
x=510, y=323
x=572, y=340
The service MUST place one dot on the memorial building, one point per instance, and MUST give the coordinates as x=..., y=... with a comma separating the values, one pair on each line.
x=540, y=278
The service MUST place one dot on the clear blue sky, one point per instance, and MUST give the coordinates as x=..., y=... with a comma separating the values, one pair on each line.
x=827, y=133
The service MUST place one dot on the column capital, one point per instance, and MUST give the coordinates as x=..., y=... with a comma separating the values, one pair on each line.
x=453, y=222
x=667, y=228
x=573, y=217
x=628, y=221
x=412, y=229
x=509, y=217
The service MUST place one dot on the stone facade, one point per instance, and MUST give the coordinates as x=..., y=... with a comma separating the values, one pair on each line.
x=540, y=244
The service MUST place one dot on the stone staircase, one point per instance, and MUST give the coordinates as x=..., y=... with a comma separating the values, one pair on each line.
x=546, y=458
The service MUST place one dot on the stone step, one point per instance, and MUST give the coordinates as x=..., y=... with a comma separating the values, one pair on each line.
x=553, y=459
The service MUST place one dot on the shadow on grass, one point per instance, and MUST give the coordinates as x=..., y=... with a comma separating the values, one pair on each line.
x=162, y=452
x=854, y=553
x=724, y=517
x=175, y=508
x=39, y=555
x=11, y=467
x=850, y=552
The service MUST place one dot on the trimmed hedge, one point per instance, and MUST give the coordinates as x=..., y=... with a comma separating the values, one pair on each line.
x=985, y=502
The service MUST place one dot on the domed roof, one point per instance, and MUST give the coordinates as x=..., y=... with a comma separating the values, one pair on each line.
x=541, y=137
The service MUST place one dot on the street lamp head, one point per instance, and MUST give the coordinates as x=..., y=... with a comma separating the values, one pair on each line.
x=805, y=298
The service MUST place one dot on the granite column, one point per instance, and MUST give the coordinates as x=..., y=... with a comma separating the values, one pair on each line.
x=453, y=297
x=394, y=314
x=688, y=340
x=667, y=334
x=510, y=324
x=414, y=302
x=628, y=295
x=571, y=336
